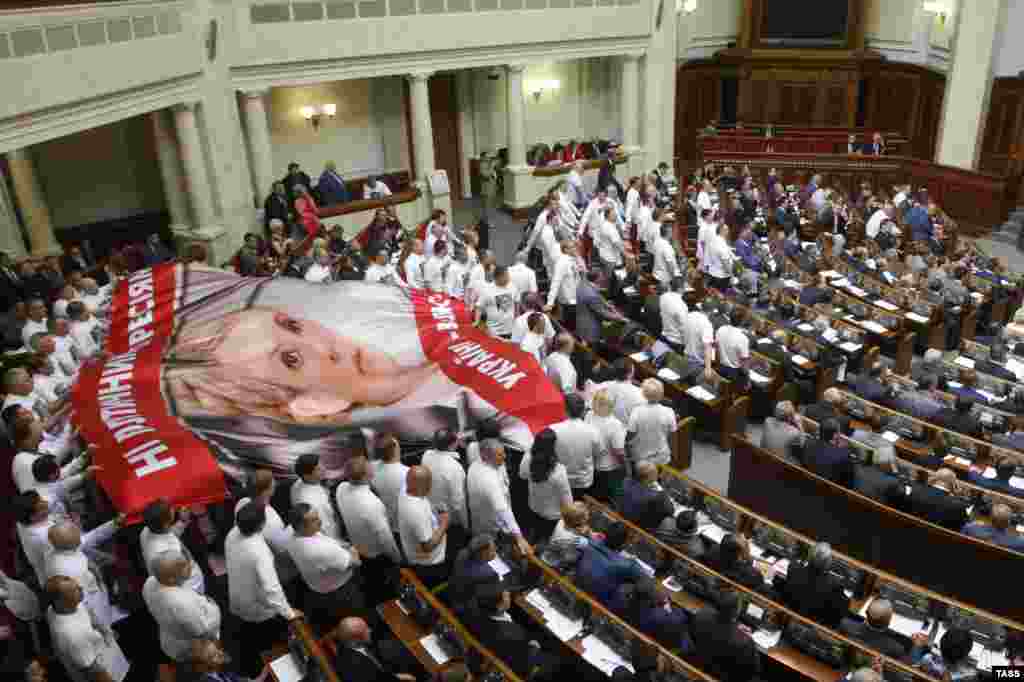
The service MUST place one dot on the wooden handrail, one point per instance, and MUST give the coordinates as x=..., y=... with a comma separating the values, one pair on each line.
x=361, y=205
x=312, y=646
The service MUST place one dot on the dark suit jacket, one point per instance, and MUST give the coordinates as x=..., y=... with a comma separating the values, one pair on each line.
x=814, y=295
x=276, y=207
x=509, y=641
x=638, y=504
x=722, y=649
x=966, y=424
x=991, y=368
x=996, y=537
x=870, y=389
x=358, y=667
x=332, y=189
x=936, y=506
x=829, y=461
x=743, y=572
x=601, y=571
x=873, y=482
x=888, y=643
x=467, y=577
x=815, y=595
x=821, y=411
x=668, y=628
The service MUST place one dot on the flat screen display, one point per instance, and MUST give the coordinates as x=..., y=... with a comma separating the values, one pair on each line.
x=805, y=22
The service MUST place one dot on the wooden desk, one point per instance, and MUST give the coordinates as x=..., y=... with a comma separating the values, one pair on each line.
x=409, y=633
x=314, y=647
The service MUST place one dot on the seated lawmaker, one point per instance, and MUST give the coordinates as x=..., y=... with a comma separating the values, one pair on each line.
x=602, y=569
x=508, y=640
x=959, y=418
x=999, y=532
x=782, y=433
x=722, y=649
x=828, y=457
x=935, y=502
x=870, y=384
x=1006, y=467
x=643, y=498
x=968, y=380
x=680, y=532
x=809, y=588
x=874, y=631
x=732, y=559
x=368, y=659
x=829, y=407
x=472, y=570
x=924, y=403
x=816, y=293
x=646, y=606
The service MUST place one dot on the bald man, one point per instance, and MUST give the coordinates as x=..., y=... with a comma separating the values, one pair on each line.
x=182, y=613
x=366, y=659
x=207, y=659
x=874, y=630
x=88, y=654
x=422, y=529
x=1000, y=532
x=69, y=558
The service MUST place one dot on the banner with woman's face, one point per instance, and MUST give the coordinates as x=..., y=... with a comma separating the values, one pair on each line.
x=209, y=373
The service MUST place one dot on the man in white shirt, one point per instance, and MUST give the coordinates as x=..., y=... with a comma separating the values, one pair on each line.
x=499, y=303
x=559, y=367
x=578, y=445
x=181, y=614
x=608, y=243
x=437, y=230
x=480, y=276
x=413, y=266
x=456, y=276
x=706, y=230
x=309, y=488
x=389, y=478
x=36, y=322
x=522, y=275
x=596, y=213
x=49, y=483
x=448, y=484
x=733, y=347
x=81, y=330
x=532, y=303
x=164, y=527
x=487, y=489
x=375, y=189
x=380, y=271
x=28, y=437
x=254, y=590
x=422, y=529
x=64, y=344
x=563, y=285
x=88, y=653
x=650, y=426
x=624, y=393
x=20, y=390
x=32, y=513
x=328, y=568
x=704, y=196
x=574, y=181
x=673, y=315
x=719, y=260
x=68, y=557
x=874, y=223
x=545, y=238
x=534, y=341
x=366, y=520
x=666, y=263
x=434, y=268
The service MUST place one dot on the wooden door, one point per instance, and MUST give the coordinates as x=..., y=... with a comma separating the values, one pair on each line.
x=444, y=119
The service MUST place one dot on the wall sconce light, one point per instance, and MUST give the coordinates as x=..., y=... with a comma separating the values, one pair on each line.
x=315, y=114
x=537, y=88
x=936, y=7
x=686, y=6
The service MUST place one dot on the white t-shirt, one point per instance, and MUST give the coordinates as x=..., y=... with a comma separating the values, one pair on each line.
x=317, y=273
x=704, y=234
x=80, y=647
x=564, y=281
x=697, y=332
x=560, y=369
x=577, y=446
x=627, y=396
x=414, y=271
x=673, y=316
x=382, y=274
x=666, y=266
x=433, y=273
x=546, y=498
x=612, y=437
x=733, y=346
x=378, y=187
x=499, y=303
x=455, y=280
x=416, y=525
x=523, y=276
x=718, y=258
x=520, y=327
x=875, y=223
x=389, y=484
x=651, y=424
x=534, y=344
x=609, y=243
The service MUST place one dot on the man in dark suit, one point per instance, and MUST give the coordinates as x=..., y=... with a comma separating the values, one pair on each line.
x=364, y=659
x=1005, y=469
x=995, y=364
x=875, y=632
x=643, y=500
x=331, y=186
x=811, y=590
x=826, y=456
x=647, y=607
x=877, y=146
x=74, y=259
x=509, y=641
x=999, y=532
x=277, y=207
x=722, y=649
x=296, y=176
x=959, y=418
x=869, y=385
x=829, y=407
x=472, y=570
x=933, y=502
x=731, y=557
x=602, y=569
x=11, y=286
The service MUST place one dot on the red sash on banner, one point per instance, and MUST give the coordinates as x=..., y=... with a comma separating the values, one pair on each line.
x=145, y=452
x=499, y=372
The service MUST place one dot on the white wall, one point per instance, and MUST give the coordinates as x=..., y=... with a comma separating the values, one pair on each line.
x=1009, y=56
x=100, y=174
x=368, y=135
x=709, y=28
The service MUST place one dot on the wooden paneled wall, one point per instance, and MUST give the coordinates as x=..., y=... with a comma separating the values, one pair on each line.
x=698, y=101
x=1002, y=150
x=907, y=98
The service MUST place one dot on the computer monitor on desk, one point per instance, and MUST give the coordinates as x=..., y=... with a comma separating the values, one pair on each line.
x=416, y=606
x=989, y=634
x=775, y=543
x=908, y=604
x=855, y=407
x=906, y=427
x=612, y=633
x=723, y=516
x=849, y=577
x=680, y=491
x=816, y=642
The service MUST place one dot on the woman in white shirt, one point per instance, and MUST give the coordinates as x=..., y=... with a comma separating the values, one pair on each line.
x=609, y=465
x=548, y=485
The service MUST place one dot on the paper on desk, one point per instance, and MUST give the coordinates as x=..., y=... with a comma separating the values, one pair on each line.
x=639, y=357
x=964, y=362
x=499, y=566
x=916, y=318
x=1015, y=366
x=432, y=644
x=671, y=584
x=758, y=378
x=885, y=305
x=800, y=360
x=791, y=284
x=755, y=551
x=621, y=273
x=781, y=566
x=667, y=374
x=841, y=282
x=761, y=342
x=712, y=532
x=287, y=669
x=851, y=347
x=602, y=657
x=630, y=291
x=989, y=472
x=890, y=436
x=963, y=461
x=976, y=296
x=857, y=291
x=871, y=325
x=954, y=384
x=829, y=274
x=766, y=639
x=700, y=393
x=1017, y=482
x=805, y=327
x=560, y=625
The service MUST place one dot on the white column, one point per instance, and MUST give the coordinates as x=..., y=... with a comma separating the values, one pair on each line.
x=630, y=100
x=34, y=211
x=170, y=170
x=11, y=240
x=516, y=118
x=969, y=84
x=259, y=142
x=422, y=131
x=467, y=126
x=192, y=159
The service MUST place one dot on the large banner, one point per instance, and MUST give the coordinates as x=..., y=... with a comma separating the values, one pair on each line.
x=211, y=374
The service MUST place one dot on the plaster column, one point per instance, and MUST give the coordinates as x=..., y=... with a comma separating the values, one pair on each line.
x=11, y=240
x=467, y=134
x=258, y=127
x=969, y=84
x=422, y=131
x=192, y=159
x=516, y=118
x=170, y=170
x=32, y=203
x=629, y=104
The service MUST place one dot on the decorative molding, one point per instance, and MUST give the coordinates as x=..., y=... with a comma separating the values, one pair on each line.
x=516, y=68
x=254, y=93
x=312, y=72
x=186, y=106
x=419, y=76
x=47, y=124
